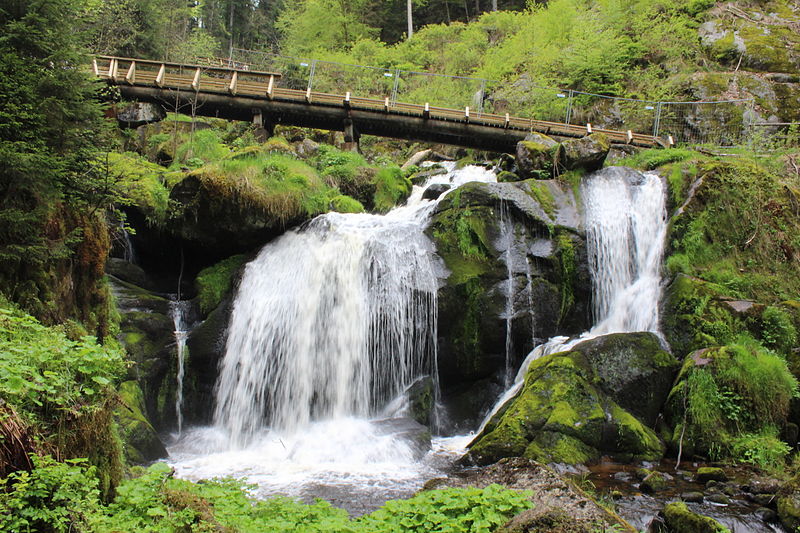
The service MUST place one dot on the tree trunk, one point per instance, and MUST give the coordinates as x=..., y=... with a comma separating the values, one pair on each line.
x=494, y=5
x=410, y=22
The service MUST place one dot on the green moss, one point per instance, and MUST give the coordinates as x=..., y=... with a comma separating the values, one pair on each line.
x=768, y=49
x=654, y=158
x=140, y=441
x=724, y=50
x=568, y=267
x=140, y=183
x=560, y=415
x=214, y=282
x=680, y=519
x=540, y=192
x=391, y=188
x=462, y=239
x=345, y=204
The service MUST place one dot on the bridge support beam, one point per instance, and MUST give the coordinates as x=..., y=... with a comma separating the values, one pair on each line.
x=264, y=128
x=351, y=136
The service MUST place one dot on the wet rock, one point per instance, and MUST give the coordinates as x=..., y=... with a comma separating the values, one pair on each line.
x=587, y=153
x=536, y=156
x=720, y=499
x=634, y=370
x=140, y=442
x=654, y=482
x=140, y=113
x=789, y=509
x=419, y=178
x=692, y=497
x=623, y=476
x=710, y=473
x=434, y=191
x=127, y=271
x=414, y=433
x=679, y=519
x=421, y=400
x=506, y=177
x=767, y=515
x=560, y=415
x=764, y=500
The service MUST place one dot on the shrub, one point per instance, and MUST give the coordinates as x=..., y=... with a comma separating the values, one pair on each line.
x=777, y=330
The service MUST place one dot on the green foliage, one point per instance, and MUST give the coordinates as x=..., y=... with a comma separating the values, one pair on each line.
x=214, y=282
x=449, y=510
x=654, y=158
x=735, y=401
x=140, y=183
x=198, y=148
x=53, y=496
x=47, y=376
x=567, y=271
x=777, y=329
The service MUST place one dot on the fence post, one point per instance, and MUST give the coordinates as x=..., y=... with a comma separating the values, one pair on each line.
x=311, y=73
x=396, y=85
x=657, y=121
x=569, y=107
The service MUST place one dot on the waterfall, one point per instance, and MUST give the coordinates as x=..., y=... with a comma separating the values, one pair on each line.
x=333, y=320
x=179, y=310
x=507, y=238
x=626, y=222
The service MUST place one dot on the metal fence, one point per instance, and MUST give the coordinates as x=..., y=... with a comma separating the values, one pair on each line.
x=712, y=122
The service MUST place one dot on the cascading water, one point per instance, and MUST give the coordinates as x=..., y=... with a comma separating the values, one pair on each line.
x=331, y=323
x=179, y=311
x=507, y=236
x=626, y=224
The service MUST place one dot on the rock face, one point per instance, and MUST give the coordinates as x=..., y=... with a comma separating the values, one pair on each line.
x=564, y=414
x=141, y=113
x=487, y=234
x=536, y=156
x=587, y=153
x=140, y=441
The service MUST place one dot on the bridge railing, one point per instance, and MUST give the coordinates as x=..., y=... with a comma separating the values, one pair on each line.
x=712, y=122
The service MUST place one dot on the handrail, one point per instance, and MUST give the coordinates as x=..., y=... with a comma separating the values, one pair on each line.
x=236, y=83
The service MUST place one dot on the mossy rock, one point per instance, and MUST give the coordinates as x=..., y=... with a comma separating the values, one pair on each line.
x=653, y=482
x=587, y=153
x=140, y=441
x=215, y=282
x=705, y=474
x=562, y=415
x=679, y=519
x=789, y=509
x=536, y=156
x=634, y=370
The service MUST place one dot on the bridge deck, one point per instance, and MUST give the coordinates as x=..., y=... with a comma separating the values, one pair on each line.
x=238, y=93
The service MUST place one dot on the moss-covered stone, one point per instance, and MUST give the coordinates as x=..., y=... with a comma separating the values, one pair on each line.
x=653, y=482
x=587, y=153
x=536, y=156
x=679, y=519
x=215, y=282
x=708, y=473
x=140, y=441
x=789, y=509
x=392, y=187
x=562, y=415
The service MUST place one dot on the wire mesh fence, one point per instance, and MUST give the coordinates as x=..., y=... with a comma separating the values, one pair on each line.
x=712, y=122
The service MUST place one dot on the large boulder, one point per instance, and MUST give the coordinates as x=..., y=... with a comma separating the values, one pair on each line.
x=680, y=519
x=587, y=153
x=513, y=253
x=563, y=415
x=536, y=156
x=634, y=370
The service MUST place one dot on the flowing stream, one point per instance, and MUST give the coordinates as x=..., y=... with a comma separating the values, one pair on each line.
x=179, y=311
x=331, y=325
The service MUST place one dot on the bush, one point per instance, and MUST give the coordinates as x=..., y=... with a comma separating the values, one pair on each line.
x=777, y=330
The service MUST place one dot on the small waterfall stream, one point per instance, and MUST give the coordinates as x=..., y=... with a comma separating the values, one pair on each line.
x=626, y=223
x=179, y=311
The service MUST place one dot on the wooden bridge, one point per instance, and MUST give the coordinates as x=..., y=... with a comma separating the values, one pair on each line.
x=241, y=94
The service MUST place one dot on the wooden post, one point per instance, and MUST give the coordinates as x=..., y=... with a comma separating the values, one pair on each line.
x=426, y=113
x=630, y=137
x=308, y=95
x=112, y=69
x=588, y=128
x=270, y=86
x=96, y=69
x=347, y=99
x=234, y=82
x=670, y=141
x=160, y=75
x=196, y=80
x=466, y=113
x=386, y=105
x=508, y=121
x=130, y=77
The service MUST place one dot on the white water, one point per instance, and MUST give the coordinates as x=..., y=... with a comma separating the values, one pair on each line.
x=178, y=310
x=626, y=223
x=330, y=325
x=507, y=236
